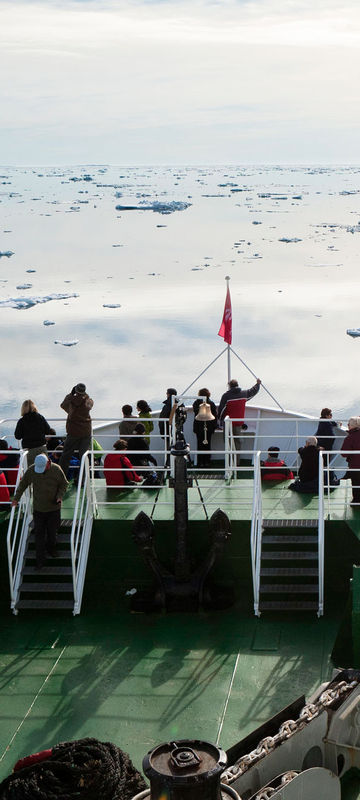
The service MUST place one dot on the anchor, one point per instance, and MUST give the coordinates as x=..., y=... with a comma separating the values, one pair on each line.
x=186, y=587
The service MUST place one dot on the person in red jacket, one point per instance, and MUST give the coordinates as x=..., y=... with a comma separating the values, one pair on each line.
x=118, y=469
x=352, y=442
x=274, y=468
x=4, y=493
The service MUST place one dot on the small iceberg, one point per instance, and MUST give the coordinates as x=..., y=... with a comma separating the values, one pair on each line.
x=48, y=322
x=71, y=343
x=6, y=253
x=111, y=305
x=28, y=302
x=354, y=332
x=288, y=241
x=157, y=206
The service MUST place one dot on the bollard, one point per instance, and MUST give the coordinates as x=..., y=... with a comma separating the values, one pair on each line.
x=186, y=770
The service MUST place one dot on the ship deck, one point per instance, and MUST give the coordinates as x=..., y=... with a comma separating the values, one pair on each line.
x=139, y=679
x=203, y=499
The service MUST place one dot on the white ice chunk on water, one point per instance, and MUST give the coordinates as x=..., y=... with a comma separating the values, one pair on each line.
x=111, y=305
x=157, y=206
x=288, y=241
x=48, y=322
x=6, y=253
x=67, y=344
x=28, y=302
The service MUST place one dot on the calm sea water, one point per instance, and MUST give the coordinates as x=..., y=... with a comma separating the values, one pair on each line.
x=292, y=300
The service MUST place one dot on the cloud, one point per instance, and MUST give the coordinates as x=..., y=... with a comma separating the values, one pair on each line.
x=107, y=68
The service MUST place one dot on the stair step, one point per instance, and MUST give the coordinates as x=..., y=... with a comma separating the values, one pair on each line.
x=62, y=538
x=291, y=588
x=66, y=523
x=292, y=539
x=47, y=570
x=31, y=555
x=286, y=555
x=288, y=605
x=290, y=523
x=45, y=604
x=289, y=571
x=28, y=586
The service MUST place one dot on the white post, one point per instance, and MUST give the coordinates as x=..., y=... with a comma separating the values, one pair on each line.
x=321, y=527
x=227, y=423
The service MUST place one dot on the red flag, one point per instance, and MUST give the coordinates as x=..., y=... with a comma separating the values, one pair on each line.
x=226, y=326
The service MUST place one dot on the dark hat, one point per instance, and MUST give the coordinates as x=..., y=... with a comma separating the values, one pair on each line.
x=80, y=388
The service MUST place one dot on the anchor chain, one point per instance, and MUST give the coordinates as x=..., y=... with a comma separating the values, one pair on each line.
x=268, y=791
x=286, y=730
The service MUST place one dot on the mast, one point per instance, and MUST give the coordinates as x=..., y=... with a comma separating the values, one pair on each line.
x=227, y=278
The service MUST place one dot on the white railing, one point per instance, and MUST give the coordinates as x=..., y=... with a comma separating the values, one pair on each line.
x=81, y=530
x=321, y=530
x=256, y=532
x=17, y=536
x=230, y=450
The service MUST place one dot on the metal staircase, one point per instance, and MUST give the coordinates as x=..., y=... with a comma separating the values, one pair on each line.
x=287, y=556
x=60, y=583
x=284, y=587
x=51, y=587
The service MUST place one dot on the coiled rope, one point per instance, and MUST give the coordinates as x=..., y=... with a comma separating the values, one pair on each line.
x=85, y=769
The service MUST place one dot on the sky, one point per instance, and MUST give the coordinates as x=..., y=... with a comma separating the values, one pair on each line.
x=167, y=82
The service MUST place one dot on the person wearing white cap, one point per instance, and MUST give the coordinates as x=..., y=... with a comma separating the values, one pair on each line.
x=49, y=485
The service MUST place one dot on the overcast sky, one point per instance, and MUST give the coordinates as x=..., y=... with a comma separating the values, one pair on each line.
x=167, y=82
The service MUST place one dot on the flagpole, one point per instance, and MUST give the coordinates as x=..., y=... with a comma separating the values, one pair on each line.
x=227, y=278
x=253, y=373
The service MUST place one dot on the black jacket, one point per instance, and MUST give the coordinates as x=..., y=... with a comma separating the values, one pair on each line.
x=138, y=443
x=32, y=429
x=165, y=412
x=309, y=467
x=325, y=433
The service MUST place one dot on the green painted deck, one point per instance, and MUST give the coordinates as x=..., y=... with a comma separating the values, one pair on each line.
x=278, y=502
x=140, y=679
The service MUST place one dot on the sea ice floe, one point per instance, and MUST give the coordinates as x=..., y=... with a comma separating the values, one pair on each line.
x=288, y=241
x=6, y=253
x=157, y=206
x=67, y=344
x=111, y=305
x=48, y=322
x=28, y=302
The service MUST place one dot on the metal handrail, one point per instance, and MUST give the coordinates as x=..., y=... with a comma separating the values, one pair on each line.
x=85, y=508
x=17, y=535
x=321, y=533
x=256, y=531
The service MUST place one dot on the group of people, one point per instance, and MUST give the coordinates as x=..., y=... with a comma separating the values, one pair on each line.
x=307, y=481
x=49, y=458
